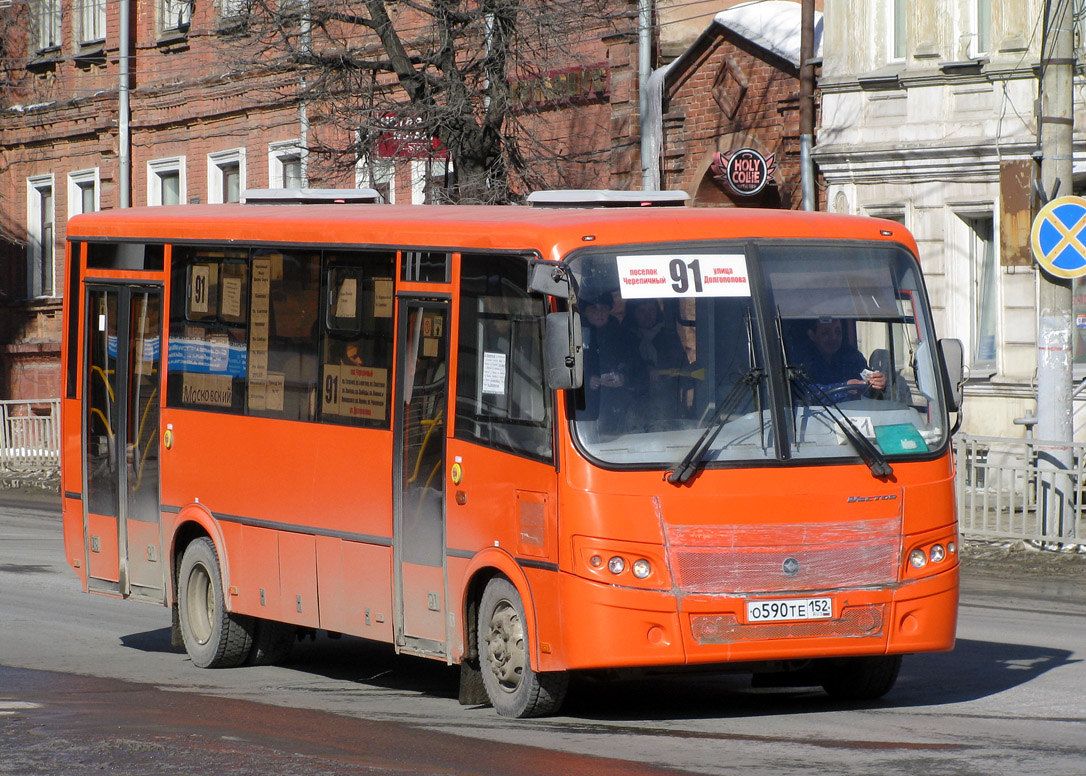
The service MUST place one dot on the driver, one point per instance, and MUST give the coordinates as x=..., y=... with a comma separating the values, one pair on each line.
x=833, y=365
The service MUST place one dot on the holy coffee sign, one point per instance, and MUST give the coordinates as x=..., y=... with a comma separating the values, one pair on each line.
x=745, y=171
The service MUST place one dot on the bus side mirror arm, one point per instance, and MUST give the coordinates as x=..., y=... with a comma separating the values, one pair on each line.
x=564, y=360
x=955, y=372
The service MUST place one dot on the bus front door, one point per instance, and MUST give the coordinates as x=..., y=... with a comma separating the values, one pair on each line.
x=122, y=354
x=419, y=525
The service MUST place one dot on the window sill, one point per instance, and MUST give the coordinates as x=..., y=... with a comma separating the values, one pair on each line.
x=93, y=52
x=44, y=60
x=176, y=39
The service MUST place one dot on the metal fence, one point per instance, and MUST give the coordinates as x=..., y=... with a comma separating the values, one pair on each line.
x=30, y=440
x=1014, y=489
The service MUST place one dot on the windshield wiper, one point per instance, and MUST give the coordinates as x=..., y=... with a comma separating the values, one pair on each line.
x=685, y=468
x=870, y=454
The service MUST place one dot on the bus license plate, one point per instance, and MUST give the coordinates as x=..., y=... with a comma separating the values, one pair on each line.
x=790, y=609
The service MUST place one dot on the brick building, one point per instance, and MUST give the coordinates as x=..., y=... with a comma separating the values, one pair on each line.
x=203, y=126
x=736, y=87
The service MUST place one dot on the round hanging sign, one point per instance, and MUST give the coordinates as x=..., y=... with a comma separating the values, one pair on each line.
x=747, y=172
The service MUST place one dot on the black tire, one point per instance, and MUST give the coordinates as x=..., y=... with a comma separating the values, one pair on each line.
x=861, y=678
x=514, y=689
x=272, y=643
x=214, y=638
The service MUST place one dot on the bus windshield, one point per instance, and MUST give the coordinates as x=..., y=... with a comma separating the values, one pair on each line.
x=755, y=351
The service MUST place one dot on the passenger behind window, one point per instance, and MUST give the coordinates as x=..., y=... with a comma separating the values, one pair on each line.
x=664, y=358
x=613, y=371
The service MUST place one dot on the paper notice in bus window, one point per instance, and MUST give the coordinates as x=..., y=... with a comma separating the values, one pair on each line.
x=258, y=393
x=494, y=373
x=678, y=275
x=219, y=353
x=199, y=285
x=231, y=297
x=273, y=401
x=258, y=365
x=382, y=297
x=209, y=390
x=355, y=391
x=347, y=299
x=430, y=347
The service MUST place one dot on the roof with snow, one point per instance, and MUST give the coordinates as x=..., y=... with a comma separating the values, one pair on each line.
x=772, y=24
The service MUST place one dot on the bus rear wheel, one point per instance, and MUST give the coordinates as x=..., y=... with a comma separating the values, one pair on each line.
x=860, y=678
x=213, y=637
x=513, y=687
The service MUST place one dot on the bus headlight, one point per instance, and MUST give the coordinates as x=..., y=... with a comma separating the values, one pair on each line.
x=616, y=565
x=937, y=553
x=642, y=569
x=621, y=563
x=918, y=559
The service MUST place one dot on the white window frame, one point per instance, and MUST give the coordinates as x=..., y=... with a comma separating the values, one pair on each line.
x=158, y=168
x=897, y=18
x=45, y=25
x=217, y=163
x=174, y=15
x=374, y=172
x=91, y=18
x=422, y=171
x=980, y=40
x=279, y=155
x=77, y=182
x=965, y=273
x=41, y=247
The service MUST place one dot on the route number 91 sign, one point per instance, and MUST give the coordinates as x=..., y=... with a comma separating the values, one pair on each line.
x=697, y=274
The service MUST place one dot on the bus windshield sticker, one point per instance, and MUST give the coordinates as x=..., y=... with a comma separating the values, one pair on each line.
x=654, y=277
x=494, y=373
x=382, y=297
x=354, y=391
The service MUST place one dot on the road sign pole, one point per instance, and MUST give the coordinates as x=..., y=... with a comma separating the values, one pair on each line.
x=1054, y=407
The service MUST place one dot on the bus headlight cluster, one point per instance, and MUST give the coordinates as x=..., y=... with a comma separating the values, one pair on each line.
x=616, y=564
x=936, y=553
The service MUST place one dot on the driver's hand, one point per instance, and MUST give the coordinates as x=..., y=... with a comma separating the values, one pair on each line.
x=877, y=381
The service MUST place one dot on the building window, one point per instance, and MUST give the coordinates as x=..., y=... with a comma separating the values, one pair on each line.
x=981, y=28
x=233, y=8
x=175, y=15
x=225, y=175
x=83, y=192
x=428, y=180
x=45, y=25
x=377, y=174
x=166, y=181
x=41, y=236
x=898, y=27
x=286, y=165
x=983, y=292
x=91, y=17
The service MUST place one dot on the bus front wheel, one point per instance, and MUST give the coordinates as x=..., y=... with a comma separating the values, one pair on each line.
x=860, y=678
x=514, y=689
x=213, y=637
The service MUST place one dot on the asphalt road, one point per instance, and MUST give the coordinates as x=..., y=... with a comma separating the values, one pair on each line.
x=90, y=685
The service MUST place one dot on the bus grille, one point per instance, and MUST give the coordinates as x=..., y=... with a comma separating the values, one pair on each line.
x=775, y=558
x=855, y=621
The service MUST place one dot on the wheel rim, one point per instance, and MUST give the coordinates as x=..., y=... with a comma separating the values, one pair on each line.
x=200, y=603
x=505, y=646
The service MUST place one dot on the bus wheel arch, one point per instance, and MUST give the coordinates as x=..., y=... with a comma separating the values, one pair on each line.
x=504, y=648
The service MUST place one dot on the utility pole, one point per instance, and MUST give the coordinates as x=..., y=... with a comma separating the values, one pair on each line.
x=1054, y=406
x=806, y=103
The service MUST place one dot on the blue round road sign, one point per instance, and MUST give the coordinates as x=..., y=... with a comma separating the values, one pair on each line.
x=1058, y=237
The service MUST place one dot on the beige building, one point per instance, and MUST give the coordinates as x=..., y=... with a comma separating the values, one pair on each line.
x=929, y=119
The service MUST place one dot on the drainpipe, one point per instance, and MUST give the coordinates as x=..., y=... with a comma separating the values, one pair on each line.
x=644, y=70
x=806, y=103
x=124, y=139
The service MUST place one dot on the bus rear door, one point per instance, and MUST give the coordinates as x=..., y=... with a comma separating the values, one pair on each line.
x=122, y=354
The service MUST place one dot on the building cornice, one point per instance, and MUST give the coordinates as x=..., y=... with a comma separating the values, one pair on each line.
x=917, y=162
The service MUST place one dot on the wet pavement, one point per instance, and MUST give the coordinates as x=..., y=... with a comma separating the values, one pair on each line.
x=52, y=723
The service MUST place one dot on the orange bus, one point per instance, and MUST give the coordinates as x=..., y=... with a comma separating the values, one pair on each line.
x=528, y=440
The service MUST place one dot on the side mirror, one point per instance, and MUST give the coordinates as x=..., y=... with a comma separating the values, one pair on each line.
x=550, y=278
x=955, y=372
x=564, y=358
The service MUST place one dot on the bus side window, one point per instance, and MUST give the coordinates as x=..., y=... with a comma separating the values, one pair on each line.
x=356, y=338
x=501, y=398
x=285, y=304
x=208, y=344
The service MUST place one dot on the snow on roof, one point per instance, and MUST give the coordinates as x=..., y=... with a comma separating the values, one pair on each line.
x=772, y=24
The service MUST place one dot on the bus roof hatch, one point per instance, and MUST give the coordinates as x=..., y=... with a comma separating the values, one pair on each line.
x=606, y=198
x=309, y=196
